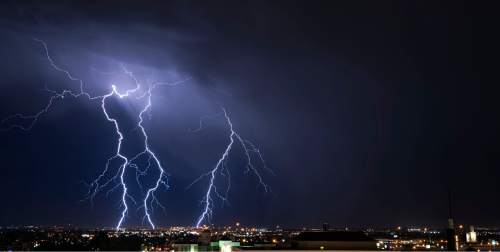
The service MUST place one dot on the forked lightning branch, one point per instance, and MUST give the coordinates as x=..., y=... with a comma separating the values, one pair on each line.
x=112, y=179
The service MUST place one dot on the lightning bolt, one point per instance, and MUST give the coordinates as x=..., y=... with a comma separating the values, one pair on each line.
x=118, y=178
x=221, y=167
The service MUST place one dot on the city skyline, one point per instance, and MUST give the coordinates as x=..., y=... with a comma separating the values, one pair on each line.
x=239, y=237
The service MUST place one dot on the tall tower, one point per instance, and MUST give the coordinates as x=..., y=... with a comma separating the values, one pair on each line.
x=450, y=230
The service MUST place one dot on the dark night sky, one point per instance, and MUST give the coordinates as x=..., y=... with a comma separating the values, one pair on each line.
x=368, y=111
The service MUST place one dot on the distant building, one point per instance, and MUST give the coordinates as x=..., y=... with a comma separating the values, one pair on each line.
x=221, y=245
x=451, y=237
x=471, y=236
x=333, y=240
x=224, y=245
x=188, y=247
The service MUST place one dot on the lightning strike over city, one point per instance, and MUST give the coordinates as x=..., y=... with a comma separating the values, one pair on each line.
x=174, y=125
x=117, y=180
x=221, y=169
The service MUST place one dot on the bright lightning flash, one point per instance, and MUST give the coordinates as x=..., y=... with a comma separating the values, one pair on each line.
x=118, y=179
x=222, y=169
